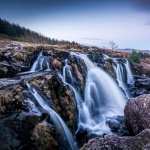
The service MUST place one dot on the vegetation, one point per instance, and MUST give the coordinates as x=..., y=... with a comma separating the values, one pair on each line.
x=135, y=56
x=113, y=45
x=16, y=32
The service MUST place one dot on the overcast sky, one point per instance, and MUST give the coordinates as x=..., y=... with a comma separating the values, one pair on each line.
x=92, y=22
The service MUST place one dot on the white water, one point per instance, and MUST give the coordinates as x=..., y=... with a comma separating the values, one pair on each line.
x=102, y=99
x=60, y=125
x=130, y=78
x=41, y=63
x=124, y=75
x=121, y=76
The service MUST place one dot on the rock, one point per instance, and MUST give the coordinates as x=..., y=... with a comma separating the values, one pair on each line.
x=8, y=138
x=108, y=67
x=143, y=67
x=143, y=83
x=113, y=142
x=137, y=114
x=117, y=125
x=11, y=100
x=59, y=96
x=63, y=100
x=16, y=129
x=43, y=137
x=56, y=64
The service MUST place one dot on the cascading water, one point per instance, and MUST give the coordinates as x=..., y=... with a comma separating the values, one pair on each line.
x=41, y=63
x=124, y=75
x=102, y=99
x=121, y=73
x=130, y=78
x=65, y=134
x=68, y=79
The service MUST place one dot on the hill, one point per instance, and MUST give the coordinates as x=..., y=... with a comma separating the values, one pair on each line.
x=18, y=33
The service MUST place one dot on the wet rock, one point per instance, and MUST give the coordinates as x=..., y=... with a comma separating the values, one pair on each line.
x=16, y=130
x=79, y=82
x=63, y=100
x=11, y=100
x=137, y=114
x=143, y=83
x=108, y=67
x=79, y=71
x=8, y=70
x=59, y=96
x=56, y=64
x=8, y=138
x=112, y=142
x=43, y=137
x=97, y=57
x=117, y=125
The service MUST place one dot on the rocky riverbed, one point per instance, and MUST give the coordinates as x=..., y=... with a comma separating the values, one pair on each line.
x=24, y=124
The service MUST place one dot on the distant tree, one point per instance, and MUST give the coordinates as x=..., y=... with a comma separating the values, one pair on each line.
x=135, y=56
x=113, y=45
x=17, y=32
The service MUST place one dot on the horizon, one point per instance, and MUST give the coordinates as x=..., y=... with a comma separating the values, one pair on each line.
x=88, y=22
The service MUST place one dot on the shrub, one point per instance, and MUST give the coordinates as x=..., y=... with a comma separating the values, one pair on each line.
x=135, y=56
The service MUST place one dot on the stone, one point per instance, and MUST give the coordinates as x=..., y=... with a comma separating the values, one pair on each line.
x=113, y=142
x=137, y=114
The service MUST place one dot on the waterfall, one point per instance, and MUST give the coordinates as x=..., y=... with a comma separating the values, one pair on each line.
x=130, y=78
x=65, y=134
x=68, y=79
x=121, y=74
x=124, y=75
x=102, y=99
x=41, y=63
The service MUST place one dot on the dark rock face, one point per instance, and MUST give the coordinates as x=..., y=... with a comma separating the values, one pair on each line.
x=20, y=126
x=43, y=137
x=142, y=86
x=16, y=130
x=15, y=61
x=63, y=100
x=11, y=100
x=137, y=114
x=59, y=96
x=79, y=72
x=138, y=142
x=117, y=126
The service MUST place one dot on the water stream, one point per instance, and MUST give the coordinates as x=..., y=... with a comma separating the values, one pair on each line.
x=61, y=128
x=41, y=63
x=102, y=98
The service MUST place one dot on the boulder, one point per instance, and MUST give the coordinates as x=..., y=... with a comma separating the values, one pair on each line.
x=137, y=114
x=113, y=142
x=16, y=130
x=43, y=137
x=63, y=100
x=59, y=96
x=56, y=64
x=11, y=100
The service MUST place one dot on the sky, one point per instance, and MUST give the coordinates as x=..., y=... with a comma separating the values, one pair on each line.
x=90, y=22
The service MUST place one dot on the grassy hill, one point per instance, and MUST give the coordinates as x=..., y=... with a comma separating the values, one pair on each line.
x=18, y=33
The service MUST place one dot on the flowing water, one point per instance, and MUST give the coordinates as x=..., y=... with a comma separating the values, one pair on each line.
x=63, y=131
x=130, y=78
x=124, y=75
x=101, y=101
x=102, y=98
x=41, y=63
x=121, y=75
